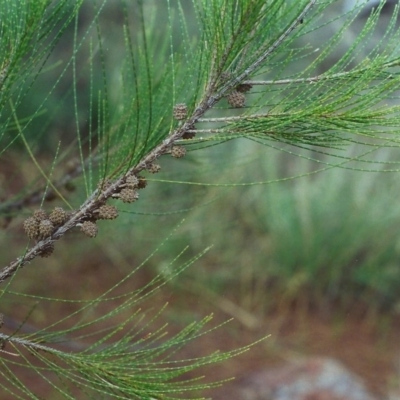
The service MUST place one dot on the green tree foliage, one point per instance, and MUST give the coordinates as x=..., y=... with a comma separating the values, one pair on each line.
x=144, y=81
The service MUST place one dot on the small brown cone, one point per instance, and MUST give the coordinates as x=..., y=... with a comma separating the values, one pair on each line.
x=47, y=251
x=142, y=182
x=107, y=212
x=178, y=151
x=129, y=195
x=236, y=99
x=89, y=229
x=39, y=214
x=244, y=87
x=31, y=227
x=132, y=181
x=180, y=111
x=154, y=168
x=46, y=228
x=58, y=216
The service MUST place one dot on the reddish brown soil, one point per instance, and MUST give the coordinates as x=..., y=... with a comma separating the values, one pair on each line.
x=367, y=345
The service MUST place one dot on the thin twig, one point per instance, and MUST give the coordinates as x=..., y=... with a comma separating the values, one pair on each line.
x=26, y=343
x=313, y=79
x=36, y=196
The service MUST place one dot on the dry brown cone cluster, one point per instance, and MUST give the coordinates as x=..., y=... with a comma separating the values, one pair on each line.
x=180, y=113
x=41, y=226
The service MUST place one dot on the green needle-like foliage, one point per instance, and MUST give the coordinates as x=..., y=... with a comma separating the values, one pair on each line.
x=164, y=78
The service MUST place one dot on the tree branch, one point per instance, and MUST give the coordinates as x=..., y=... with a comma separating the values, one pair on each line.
x=98, y=198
